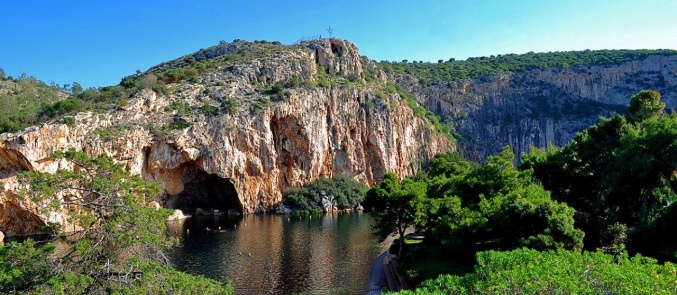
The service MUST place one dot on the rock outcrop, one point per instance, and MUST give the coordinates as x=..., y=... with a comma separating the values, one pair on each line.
x=242, y=157
x=541, y=106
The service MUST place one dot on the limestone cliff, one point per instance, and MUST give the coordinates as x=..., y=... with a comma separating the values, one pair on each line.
x=240, y=157
x=540, y=106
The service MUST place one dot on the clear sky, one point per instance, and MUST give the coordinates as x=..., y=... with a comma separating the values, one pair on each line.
x=96, y=43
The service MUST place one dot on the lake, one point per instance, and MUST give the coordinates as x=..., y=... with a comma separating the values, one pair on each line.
x=279, y=254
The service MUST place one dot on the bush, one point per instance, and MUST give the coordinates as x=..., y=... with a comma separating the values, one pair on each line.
x=181, y=107
x=160, y=88
x=147, y=81
x=229, y=105
x=347, y=193
x=69, y=121
x=209, y=110
x=179, y=123
x=526, y=271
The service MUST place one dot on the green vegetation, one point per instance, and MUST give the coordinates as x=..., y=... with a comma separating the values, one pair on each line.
x=474, y=67
x=27, y=101
x=115, y=234
x=392, y=205
x=181, y=107
x=422, y=113
x=178, y=124
x=210, y=110
x=229, y=105
x=463, y=208
x=619, y=173
x=109, y=133
x=276, y=92
x=526, y=271
x=619, y=177
x=21, y=101
x=347, y=194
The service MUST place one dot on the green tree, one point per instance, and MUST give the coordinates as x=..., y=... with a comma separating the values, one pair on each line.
x=229, y=104
x=23, y=265
x=76, y=88
x=645, y=104
x=493, y=205
x=347, y=193
x=526, y=271
x=617, y=173
x=393, y=206
x=114, y=232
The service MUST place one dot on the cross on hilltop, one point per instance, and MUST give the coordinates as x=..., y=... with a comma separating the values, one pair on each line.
x=330, y=31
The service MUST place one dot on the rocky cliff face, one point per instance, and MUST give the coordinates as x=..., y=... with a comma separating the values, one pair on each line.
x=241, y=157
x=542, y=106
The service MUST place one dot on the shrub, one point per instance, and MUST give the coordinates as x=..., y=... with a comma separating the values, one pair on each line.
x=147, y=81
x=209, y=110
x=526, y=271
x=347, y=193
x=69, y=121
x=229, y=105
x=181, y=107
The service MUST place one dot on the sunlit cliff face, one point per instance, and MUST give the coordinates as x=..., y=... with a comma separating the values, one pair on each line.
x=242, y=159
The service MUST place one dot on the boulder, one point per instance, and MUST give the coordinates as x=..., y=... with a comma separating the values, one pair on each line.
x=178, y=215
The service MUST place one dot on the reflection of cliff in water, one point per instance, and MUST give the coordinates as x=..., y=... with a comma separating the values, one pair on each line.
x=329, y=253
x=207, y=192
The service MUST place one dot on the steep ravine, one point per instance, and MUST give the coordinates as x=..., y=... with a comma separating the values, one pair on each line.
x=240, y=160
x=541, y=106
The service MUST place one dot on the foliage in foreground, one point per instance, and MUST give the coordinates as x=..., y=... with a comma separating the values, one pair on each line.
x=347, y=193
x=27, y=267
x=618, y=173
x=493, y=205
x=392, y=205
x=526, y=271
x=463, y=206
x=116, y=235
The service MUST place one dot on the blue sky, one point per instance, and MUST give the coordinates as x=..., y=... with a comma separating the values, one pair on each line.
x=96, y=43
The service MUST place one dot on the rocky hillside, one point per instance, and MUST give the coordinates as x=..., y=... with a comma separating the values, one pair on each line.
x=538, y=106
x=229, y=127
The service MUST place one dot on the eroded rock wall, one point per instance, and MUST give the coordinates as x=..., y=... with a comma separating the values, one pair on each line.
x=541, y=106
x=261, y=149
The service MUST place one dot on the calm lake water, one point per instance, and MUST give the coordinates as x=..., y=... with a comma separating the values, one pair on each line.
x=325, y=254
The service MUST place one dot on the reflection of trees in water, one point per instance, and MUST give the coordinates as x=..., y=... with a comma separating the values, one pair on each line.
x=328, y=252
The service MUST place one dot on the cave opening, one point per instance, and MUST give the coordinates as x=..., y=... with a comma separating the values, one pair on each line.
x=206, y=193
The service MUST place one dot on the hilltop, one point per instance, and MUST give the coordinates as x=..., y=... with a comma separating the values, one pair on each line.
x=231, y=126
x=250, y=119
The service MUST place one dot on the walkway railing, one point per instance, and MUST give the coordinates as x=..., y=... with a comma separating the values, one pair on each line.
x=396, y=281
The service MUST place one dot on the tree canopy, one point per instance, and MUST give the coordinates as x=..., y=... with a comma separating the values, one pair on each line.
x=347, y=193
x=617, y=173
x=116, y=234
x=527, y=271
x=462, y=206
x=393, y=206
x=493, y=205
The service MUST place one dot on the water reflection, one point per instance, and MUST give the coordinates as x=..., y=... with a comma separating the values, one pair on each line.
x=276, y=254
